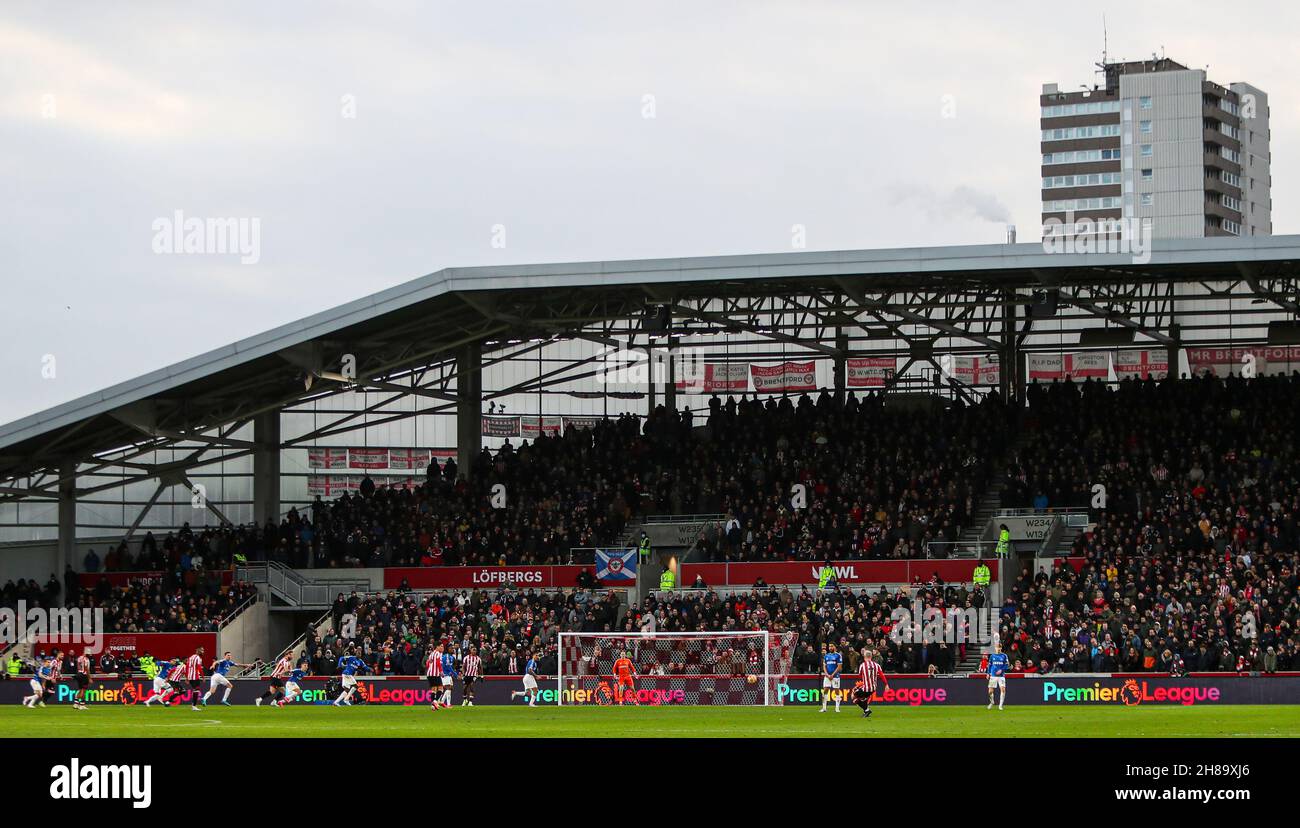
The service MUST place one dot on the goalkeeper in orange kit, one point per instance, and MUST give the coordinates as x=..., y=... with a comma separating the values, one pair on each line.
x=624, y=675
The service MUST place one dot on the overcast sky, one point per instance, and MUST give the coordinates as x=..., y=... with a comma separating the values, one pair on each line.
x=374, y=146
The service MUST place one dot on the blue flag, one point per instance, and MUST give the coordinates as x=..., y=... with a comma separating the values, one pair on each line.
x=616, y=564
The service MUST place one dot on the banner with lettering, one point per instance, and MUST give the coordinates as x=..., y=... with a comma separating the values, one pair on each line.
x=1244, y=361
x=1080, y=366
x=788, y=376
x=716, y=378
x=367, y=458
x=1141, y=364
x=500, y=426
x=331, y=485
x=869, y=372
x=327, y=458
x=581, y=422
x=980, y=370
x=406, y=459
x=530, y=430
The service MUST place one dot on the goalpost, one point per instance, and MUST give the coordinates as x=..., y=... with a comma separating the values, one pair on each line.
x=728, y=668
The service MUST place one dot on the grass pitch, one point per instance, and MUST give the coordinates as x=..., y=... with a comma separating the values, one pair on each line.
x=664, y=722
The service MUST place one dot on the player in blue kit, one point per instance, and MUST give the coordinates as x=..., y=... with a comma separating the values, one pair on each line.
x=832, y=664
x=448, y=675
x=220, y=679
x=162, y=688
x=41, y=678
x=998, y=666
x=349, y=665
x=293, y=685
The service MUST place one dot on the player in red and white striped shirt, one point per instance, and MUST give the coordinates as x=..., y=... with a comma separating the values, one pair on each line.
x=83, y=681
x=187, y=675
x=471, y=668
x=275, y=692
x=433, y=673
x=870, y=679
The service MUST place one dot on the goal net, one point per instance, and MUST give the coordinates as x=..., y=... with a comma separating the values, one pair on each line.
x=673, y=668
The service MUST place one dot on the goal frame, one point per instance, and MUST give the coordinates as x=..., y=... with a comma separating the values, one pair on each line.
x=765, y=637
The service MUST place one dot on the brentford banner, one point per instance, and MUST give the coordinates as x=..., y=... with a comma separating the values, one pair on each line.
x=1224, y=362
x=581, y=422
x=406, y=459
x=1141, y=364
x=869, y=372
x=327, y=458
x=788, y=376
x=442, y=455
x=717, y=377
x=331, y=485
x=478, y=577
x=500, y=426
x=367, y=458
x=1088, y=365
x=90, y=580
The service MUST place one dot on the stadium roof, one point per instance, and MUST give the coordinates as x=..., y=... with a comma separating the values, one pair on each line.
x=426, y=320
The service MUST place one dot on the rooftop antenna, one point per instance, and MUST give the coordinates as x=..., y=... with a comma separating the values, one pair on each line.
x=1105, y=50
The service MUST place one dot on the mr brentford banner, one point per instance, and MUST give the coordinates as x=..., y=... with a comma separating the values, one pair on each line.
x=848, y=573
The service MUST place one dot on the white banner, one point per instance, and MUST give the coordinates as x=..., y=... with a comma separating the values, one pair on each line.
x=408, y=459
x=1141, y=364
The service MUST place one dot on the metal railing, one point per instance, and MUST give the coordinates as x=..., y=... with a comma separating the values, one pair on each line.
x=960, y=549
x=294, y=589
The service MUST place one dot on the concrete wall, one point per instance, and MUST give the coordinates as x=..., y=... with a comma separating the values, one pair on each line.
x=247, y=636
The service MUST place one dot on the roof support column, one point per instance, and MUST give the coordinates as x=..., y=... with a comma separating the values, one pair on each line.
x=670, y=387
x=266, y=468
x=469, y=407
x=1009, y=354
x=65, y=550
x=1172, y=349
x=839, y=368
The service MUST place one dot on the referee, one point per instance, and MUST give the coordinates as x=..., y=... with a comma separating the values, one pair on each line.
x=471, y=667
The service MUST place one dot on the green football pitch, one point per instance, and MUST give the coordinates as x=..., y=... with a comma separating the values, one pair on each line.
x=672, y=722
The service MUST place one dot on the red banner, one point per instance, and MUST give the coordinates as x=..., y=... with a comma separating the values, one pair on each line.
x=718, y=377
x=1260, y=361
x=162, y=646
x=870, y=372
x=500, y=426
x=89, y=580
x=485, y=577
x=788, y=376
x=848, y=573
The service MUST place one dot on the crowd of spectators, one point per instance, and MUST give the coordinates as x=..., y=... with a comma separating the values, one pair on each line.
x=171, y=601
x=1192, y=563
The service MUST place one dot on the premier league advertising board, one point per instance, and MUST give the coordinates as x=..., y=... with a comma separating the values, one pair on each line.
x=1055, y=691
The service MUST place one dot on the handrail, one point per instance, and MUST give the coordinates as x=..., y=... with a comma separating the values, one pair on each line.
x=701, y=518
x=243, y=605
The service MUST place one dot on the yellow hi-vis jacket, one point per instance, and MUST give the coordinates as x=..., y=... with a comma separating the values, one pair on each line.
x=982, y=576
x=666, y=579
x=1004, y=543
x=824, y=577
